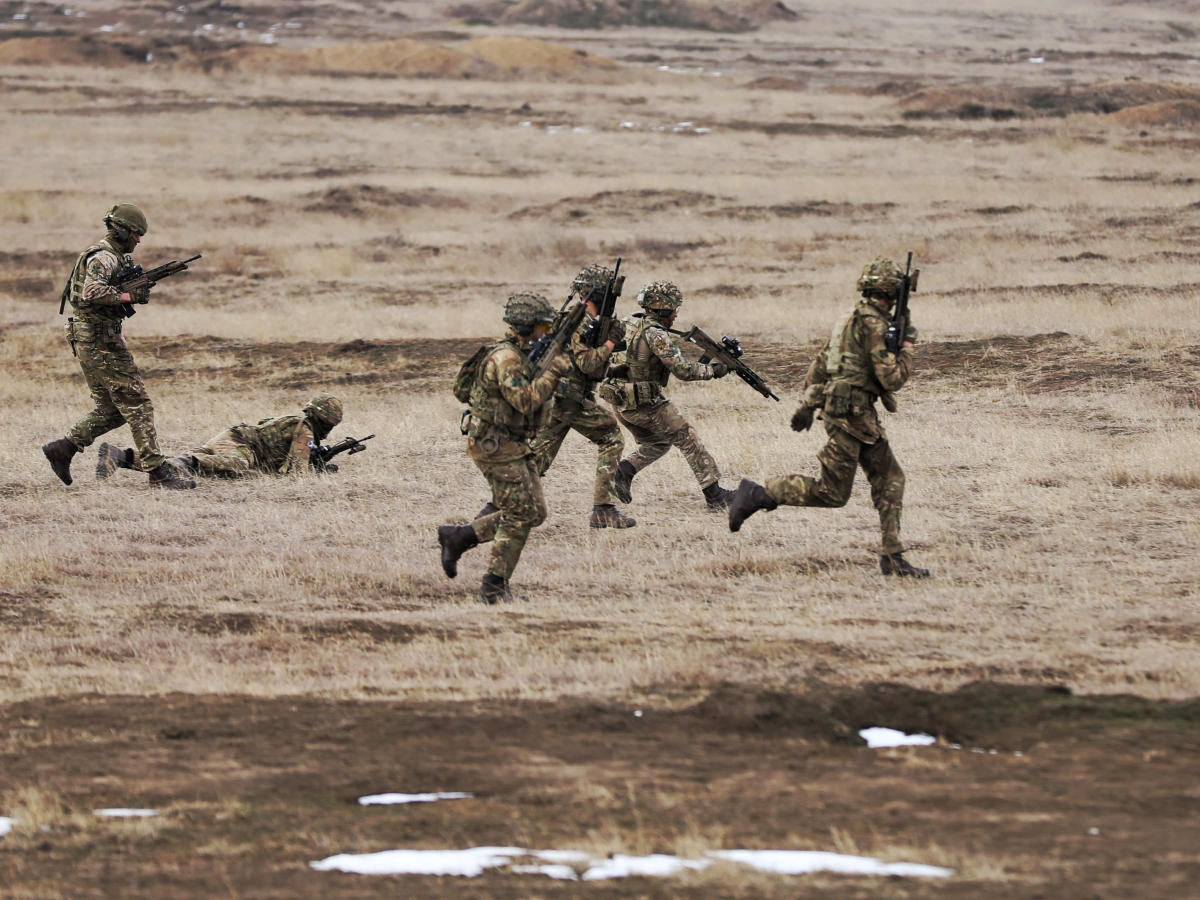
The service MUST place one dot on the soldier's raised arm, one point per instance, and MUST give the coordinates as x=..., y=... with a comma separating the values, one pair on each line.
x=664, y=348
x=100, y=270
x=892, y=369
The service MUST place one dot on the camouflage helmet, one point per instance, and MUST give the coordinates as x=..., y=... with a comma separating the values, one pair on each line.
x=129, y=216
x=528, y=308
x=591, y=278
x=880, y=276
x=660, y=295
x=325, y=409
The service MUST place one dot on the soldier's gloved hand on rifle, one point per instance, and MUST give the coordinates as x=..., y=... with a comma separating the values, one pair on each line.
x=802, y=419
x=621, y=346
x=719, y=370
x=910, y=335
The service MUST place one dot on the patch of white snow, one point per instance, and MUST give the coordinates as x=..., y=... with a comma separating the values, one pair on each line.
x=126, y=813
x=804, y=862
x=468, y=863
x=391, y=799
x=889, y=737
x=6, y=825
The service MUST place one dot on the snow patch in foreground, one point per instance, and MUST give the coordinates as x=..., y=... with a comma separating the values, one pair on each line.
x=565, y=865
x=889, y=737
x=6, y=825
x=125, y=813
x=389, y=799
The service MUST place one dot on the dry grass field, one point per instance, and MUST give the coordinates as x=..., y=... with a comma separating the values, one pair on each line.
x=368, y=182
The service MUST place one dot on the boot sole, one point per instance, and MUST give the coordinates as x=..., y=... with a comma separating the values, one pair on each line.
x=606, y=524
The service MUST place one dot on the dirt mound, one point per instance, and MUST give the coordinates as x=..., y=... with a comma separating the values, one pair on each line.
x=526, y=56
x=355, y=200
x=53, y=51
x=765, y=12
x=777, y=83
x=999, y=104
x=689, y=14
x=403, y=57
x=1167, y=113
x=616, y=203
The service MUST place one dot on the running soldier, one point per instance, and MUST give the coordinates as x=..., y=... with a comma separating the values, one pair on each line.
x=277, y=446
x=112, y=376
x=506, y=403
x=852, y=371
x=575, y=405
x=635, y=391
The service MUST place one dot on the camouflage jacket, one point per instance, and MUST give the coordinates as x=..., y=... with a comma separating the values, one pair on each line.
x=855, y=368
x=507, y=403
x=588, y=365
x=280, y=445
x=93, y=298
x=652, y=358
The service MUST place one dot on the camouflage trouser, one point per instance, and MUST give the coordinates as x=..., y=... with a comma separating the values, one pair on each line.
x=840, y=458
x=120, y=397
x=595, y=424
x=221, y=456
x=517, y=494
x=657, y=428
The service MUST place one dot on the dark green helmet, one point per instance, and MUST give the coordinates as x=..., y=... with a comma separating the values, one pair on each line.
x=128, y=216
x=590, y=279
x=880, y=276
x=528, y=308
x=660, y=295
x=325, y=409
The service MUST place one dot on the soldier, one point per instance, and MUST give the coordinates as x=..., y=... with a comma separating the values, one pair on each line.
x=94, y=333
x=637, y=398
x=505, y=404
x=851, y=372
x=575, y=406
x=277, y=446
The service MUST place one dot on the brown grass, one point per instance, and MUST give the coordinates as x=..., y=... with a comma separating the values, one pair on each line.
x=1051, y=483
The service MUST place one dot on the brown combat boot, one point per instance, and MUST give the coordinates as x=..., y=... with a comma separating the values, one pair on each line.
x=608, y=516
x=896, y=564
x=113, y=458
x=455, y=540
x=748, y=499
x=60, y=453
x=717, y=497
x=623, y=481
x=488, y=509
x=166, y=478
x=495, y=589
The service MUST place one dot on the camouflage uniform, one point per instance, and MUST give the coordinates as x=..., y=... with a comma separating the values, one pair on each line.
x=653, y=420
x=575, y=408
x=275, y=446
x=505, y=405
x=112, y=376
x=854, y=368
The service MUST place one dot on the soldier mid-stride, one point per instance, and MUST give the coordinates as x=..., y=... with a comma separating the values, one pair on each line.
x=575, y=405
x=637, y=398
x=852, y=371
x=506, y=402
x=276, y=446
x=112, y=376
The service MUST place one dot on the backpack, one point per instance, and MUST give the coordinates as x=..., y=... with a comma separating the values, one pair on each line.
x=467, y=373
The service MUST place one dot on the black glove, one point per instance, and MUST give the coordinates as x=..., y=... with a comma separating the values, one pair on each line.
x=719, y=370
x=620, y=346
x=802, y=419
x=591, y=334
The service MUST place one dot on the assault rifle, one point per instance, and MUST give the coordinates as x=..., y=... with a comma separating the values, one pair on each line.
x=894, y=339
x=546, y=348
x=136, y=281
x=729, y=352
x=319, y=455
x=597, y=333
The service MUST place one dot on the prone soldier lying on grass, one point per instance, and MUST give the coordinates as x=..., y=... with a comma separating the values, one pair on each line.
x=276, y=446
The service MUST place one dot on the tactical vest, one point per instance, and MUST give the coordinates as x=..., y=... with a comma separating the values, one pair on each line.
x=852, y=383
x=489, y=406
x=73, y=292
x=647, y=374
